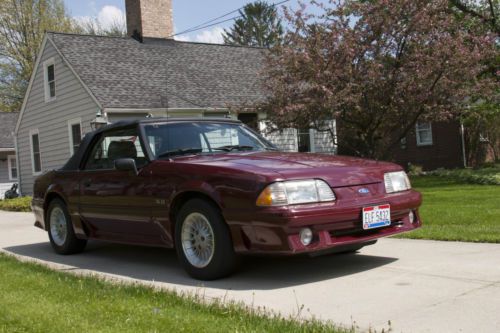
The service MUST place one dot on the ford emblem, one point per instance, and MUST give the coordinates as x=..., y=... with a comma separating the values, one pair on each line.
x=364, y=190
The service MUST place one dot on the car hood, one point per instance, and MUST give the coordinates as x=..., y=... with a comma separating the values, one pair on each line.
x=338, y=171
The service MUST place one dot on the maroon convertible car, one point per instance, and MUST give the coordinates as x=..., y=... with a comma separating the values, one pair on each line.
x=214, y=189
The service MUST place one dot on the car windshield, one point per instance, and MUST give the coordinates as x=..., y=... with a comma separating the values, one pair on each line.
x=176, y=139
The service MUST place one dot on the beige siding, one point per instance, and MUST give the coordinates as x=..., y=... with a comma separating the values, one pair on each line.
x=323, y=141
x=285, y=140
x=51, y=118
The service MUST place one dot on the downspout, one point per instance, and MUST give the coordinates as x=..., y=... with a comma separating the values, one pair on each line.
x=17, y=164
x=462, y=134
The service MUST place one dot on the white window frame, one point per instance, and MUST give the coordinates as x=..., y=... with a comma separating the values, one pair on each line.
x=418, y=130
x=71, y=122
x=9, y=165
x=32, y=155
x=46, y=64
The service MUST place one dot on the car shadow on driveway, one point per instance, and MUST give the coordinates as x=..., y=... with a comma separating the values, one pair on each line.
x=161, y=265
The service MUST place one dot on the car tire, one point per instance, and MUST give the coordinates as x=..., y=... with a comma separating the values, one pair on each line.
x=61, y=234
x=203, y=241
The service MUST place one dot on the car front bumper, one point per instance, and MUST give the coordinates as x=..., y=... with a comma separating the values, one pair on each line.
x=335, y=225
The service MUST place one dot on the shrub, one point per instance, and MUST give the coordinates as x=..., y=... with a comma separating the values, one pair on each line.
x=484, y=176
x=22, y=204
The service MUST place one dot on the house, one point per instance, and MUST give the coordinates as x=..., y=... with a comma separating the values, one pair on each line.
x=8, y=164
x=80, y=81
x=433, y=145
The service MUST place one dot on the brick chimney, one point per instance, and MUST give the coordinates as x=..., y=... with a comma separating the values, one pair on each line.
x=149, y=18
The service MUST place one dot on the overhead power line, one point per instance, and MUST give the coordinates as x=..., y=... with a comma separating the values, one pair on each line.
x=209, y=23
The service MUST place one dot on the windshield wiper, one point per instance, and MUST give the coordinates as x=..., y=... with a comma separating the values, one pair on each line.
x=183, y=151
x=233, y=147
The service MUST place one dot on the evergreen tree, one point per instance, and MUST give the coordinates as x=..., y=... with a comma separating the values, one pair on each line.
x=259, y=25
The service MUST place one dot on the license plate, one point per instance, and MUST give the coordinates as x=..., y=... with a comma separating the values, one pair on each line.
x=376, y=216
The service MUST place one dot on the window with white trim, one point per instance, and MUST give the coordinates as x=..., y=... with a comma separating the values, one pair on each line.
x=75, y=134
x=36, y=157
x=305, y=140
x=49, y=69
x=424, y=134
x=11, y=163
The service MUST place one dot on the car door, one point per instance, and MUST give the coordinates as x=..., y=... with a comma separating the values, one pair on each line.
x=117, y=204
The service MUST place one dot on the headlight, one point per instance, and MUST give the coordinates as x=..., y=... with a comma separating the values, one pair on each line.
x=295, y=192
x=396, y=182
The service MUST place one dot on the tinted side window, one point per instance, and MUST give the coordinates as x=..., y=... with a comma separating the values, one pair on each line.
x=114, y=145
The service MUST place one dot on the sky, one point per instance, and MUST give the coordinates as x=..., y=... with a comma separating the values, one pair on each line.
x=187, y=13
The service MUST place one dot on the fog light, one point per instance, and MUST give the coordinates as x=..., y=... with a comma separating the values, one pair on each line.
x=306, y=236
x=411, y=216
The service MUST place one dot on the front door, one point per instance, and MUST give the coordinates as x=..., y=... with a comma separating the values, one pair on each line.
x=117, y=205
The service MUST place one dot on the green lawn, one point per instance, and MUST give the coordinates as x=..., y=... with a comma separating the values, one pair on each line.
x=36, y=299
x=455, y=211
x=16, y=205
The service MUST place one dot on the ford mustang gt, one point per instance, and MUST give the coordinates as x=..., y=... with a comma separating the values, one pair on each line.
x=214, y=189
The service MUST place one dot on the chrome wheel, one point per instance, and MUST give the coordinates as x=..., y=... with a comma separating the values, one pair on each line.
x=58, y=226
x=198, y=241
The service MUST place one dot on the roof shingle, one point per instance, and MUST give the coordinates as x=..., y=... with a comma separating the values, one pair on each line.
x=124, y=73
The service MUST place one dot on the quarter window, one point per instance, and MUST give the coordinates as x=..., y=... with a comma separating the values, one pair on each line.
x=115, y=145
x=36, y=158
x=424, y=134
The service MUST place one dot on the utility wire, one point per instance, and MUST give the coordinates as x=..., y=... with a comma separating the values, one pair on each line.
x=209, y=23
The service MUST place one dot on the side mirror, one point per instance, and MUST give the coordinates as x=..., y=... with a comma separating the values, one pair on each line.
x=126, y=164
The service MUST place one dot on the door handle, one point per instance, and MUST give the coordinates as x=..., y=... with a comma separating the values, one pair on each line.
x=87, y=182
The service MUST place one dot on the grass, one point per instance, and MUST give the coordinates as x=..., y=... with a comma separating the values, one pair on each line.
x=484, y=176
x=22, y=204
x=454, y=211
x=37, y=299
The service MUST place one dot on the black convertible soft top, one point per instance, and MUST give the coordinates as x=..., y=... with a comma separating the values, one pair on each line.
x=74, y=161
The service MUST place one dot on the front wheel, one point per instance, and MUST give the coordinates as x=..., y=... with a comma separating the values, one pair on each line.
x=203, y=241
x=61, y=234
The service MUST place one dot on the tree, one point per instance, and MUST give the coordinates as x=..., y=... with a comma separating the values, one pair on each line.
x=377, y=67
x=482, y=118
x=259, y=25
x=22, y=27
x=486, y=11
x=93, y=26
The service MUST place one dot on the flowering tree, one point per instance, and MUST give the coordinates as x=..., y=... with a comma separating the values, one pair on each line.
x=377, y=67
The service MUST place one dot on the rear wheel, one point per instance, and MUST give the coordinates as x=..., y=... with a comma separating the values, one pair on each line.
x=203, y=241
x=61, y=234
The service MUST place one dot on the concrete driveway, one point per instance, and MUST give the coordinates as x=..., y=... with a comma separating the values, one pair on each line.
x=404, y=285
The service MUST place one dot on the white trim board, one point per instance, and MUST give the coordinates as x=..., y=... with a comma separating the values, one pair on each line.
x=30, y=85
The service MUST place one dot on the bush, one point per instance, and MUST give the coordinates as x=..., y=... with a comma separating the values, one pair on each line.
x=484, y=176
x=22, y=204
x=415, y=170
